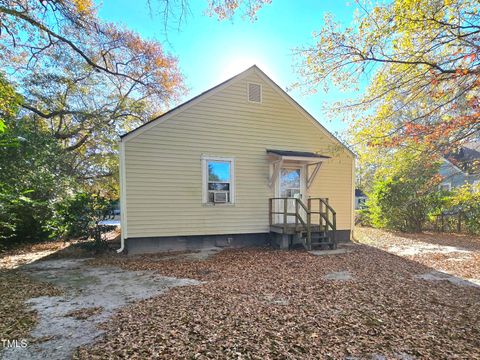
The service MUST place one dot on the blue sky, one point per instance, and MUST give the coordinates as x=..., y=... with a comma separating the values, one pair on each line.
x=210, y=51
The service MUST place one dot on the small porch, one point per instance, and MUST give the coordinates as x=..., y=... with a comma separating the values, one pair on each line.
x=314, y=224
x=295, y=216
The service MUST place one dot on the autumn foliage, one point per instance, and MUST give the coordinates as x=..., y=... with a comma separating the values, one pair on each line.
x=419, y=62
x=70, y=83
x=84, y=80
x=226, y=9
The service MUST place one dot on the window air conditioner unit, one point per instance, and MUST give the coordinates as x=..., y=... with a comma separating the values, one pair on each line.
x=220, y=197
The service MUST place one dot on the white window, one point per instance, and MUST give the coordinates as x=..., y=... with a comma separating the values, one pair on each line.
x=218, y=180
x=446, y=186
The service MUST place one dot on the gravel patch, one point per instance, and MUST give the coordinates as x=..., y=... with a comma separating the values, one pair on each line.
x=455, y=254
x=412, y=250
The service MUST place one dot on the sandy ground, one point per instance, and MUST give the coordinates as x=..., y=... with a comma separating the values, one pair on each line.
x=90, y=296
x=454, y=257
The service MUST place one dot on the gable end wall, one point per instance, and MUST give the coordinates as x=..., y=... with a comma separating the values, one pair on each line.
x=163, y=175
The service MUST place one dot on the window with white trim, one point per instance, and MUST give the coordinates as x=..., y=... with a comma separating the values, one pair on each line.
x=446, y=186
x=218, y=180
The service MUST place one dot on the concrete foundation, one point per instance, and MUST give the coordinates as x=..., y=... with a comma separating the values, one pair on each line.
x=143, y=245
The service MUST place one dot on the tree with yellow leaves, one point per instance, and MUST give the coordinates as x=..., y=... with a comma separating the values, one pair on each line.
x=421, y=61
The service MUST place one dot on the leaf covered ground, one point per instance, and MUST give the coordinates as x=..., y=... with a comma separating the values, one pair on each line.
x=16, y=318
x=22, y=254
x=269, y=304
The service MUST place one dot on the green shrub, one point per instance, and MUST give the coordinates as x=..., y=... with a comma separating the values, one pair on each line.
x=78, y=215
x=362, y=217
x=32, y=178
x=467, y=200
x=405, y=194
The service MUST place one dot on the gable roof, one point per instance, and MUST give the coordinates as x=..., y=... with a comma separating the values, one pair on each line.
x=255, y=69
x=467, y=159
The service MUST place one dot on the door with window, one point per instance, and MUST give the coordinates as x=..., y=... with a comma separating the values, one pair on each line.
x=291, y=184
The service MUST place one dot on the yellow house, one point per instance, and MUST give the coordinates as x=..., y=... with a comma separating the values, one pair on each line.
x=240, y=164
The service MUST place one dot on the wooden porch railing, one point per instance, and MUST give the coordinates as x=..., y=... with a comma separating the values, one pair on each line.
x=285, y=214
x=327, y=220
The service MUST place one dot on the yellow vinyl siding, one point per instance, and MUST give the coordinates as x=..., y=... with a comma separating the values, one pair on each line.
x=163, y=173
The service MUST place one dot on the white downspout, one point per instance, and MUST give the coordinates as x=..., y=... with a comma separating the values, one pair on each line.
x=352, y=207
x=123, y=200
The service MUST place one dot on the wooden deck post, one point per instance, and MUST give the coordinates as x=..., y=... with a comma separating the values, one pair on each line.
x=320, y=209
x=326, y=218
x=285, y=211
x=334, y=230
x=309, y=207
x=309, y=232
x=270, y=211
x=296, y=214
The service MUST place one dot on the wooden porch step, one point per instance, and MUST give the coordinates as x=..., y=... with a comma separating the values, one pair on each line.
x=320, y=239
x=321, y=243
x=293, y=229
x=330, y=244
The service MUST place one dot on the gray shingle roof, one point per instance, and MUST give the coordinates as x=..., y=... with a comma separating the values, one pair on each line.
x=296, y=153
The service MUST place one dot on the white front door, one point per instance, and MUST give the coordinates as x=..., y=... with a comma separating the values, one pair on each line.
x=291, y=184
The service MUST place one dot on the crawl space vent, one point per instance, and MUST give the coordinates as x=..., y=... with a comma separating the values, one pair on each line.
x=254, y=93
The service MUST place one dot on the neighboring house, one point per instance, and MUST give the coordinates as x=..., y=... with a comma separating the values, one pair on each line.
x=360, y=199
x=204, y=173
x=460, y=168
